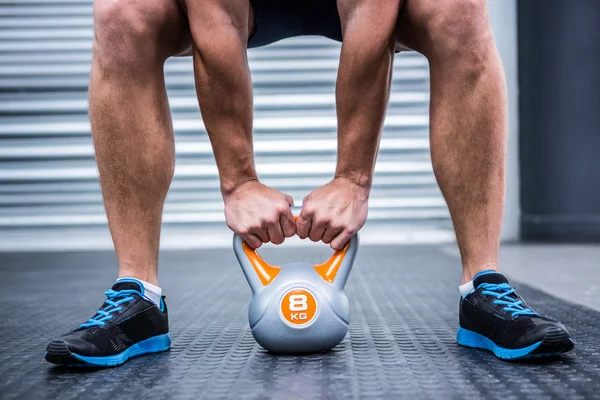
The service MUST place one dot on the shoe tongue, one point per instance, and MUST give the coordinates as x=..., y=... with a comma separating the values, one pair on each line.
x=488, y=276
x=128, y=284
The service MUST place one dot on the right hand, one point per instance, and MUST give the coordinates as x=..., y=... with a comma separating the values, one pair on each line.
x=259, y=214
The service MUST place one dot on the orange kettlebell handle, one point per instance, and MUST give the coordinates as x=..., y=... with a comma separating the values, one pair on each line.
x=267, y=272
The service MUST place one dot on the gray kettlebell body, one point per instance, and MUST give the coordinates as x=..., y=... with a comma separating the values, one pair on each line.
x=298, y=307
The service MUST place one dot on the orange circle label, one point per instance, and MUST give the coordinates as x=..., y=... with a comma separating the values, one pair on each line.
x=298, y=307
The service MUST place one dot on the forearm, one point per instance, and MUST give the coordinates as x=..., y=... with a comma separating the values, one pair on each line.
x=224, y=89
x=362, y=92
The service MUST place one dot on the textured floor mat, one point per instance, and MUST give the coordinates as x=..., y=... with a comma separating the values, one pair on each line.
x=401, y=343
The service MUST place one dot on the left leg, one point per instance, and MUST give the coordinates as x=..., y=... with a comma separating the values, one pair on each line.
x=468, y=149
x=468, y=119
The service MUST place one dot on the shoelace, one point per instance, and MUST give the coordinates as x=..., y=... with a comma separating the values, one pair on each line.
x=104, y=314
x=502, y=293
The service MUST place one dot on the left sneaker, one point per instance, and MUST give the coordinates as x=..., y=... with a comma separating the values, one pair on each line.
x=126, y=325
x=495, y=318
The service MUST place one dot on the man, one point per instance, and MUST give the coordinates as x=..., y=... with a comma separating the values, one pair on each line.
x=133, y=138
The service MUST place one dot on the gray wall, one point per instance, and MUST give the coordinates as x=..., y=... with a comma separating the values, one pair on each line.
x=559, y=80
x=503, y=14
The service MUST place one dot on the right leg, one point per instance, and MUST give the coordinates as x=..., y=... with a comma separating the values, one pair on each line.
x=131, y=122
x=133, y=137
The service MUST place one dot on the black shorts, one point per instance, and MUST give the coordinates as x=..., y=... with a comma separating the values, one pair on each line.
x=281, y=19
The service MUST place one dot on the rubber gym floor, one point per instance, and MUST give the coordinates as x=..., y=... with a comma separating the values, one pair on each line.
x=401, y=342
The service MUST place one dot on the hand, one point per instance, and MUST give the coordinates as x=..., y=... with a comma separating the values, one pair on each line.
x=333, y=213
x=259, y=214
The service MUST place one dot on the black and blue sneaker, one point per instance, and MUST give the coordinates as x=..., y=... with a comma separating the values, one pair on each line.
x=495, y=318
x=126, y=325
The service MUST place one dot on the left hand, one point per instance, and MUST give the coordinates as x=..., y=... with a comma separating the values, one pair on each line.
x=333, y=213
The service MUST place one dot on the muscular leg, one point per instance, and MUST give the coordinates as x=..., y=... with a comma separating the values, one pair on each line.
x=131, y=123
x=468, y=119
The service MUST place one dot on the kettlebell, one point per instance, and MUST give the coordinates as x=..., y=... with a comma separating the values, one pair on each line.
x=298, y=307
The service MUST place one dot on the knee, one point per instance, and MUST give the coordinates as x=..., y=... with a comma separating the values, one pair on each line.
x=459, y=30
x=126, y=32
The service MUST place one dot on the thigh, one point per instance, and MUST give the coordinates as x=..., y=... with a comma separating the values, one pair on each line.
x=183, y=42
x=185, y=48
x=205, y=17
x=423, y=24
x=408, y=29
x=156, y=26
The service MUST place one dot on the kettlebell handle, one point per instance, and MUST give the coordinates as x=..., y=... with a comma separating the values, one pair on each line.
x=259, y=273
x=337, y=268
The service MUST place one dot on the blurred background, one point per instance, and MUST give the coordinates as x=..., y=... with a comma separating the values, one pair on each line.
x=49, y=192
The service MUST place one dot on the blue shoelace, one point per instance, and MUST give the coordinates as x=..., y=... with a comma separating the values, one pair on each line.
x=114, y=300
x=502, y=293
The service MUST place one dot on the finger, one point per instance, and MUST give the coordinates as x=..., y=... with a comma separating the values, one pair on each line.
x=330, y=234
x=303, y=226
x=252, y=240
x=288, y=225
x=261, y=233
x=289, y=199
x=316, y=231
x=275, y=233
x=341, y=239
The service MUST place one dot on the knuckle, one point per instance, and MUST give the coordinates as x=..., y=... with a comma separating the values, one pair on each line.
x=337, y=226
x=307, y=208
x=339, y=242
x=325, y=221
x=282, y=207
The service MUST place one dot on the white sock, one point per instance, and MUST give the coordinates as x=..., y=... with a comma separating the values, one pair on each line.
x=466, y=288
x=151, y=292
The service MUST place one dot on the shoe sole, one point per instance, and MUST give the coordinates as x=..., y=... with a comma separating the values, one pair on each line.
x=555, y=342
x=58, y=353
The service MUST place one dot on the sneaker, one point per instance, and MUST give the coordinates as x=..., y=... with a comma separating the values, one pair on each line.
x=126, y=325
x=495, y=318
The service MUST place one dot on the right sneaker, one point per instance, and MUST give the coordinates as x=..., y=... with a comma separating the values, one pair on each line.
x=495, y=318
x=126, y=325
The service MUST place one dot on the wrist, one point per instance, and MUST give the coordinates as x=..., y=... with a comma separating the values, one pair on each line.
x=360, y=179
x=229, y=186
